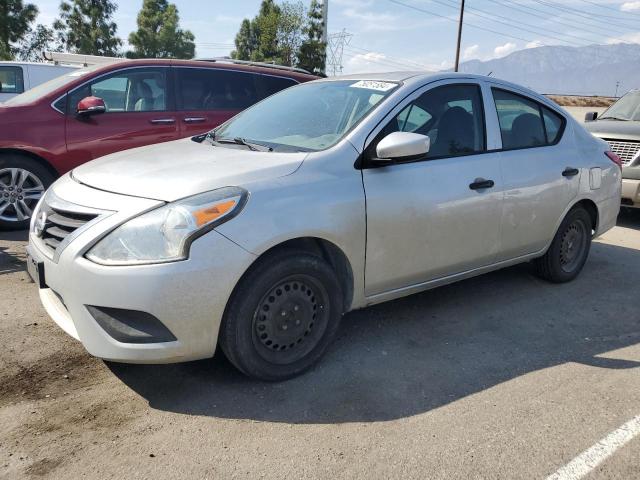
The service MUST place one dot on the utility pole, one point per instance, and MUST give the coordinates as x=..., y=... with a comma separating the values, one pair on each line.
x=459, y=35
x=325, y=20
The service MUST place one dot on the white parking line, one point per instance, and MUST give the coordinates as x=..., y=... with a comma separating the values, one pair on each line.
x=594, y=456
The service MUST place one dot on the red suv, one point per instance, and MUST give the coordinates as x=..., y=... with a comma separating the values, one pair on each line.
x=56, y=126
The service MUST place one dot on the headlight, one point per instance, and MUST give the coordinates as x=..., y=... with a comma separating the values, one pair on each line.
x=164, y=234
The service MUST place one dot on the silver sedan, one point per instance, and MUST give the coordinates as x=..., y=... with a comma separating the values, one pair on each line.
x=324, y=198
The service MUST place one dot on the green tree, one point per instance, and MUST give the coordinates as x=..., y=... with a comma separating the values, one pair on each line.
x=34, y=43
x=85, y=27
x=15, y=22
x=257, y=40
x=312, y=54
x=289, y=32
x=159, y=34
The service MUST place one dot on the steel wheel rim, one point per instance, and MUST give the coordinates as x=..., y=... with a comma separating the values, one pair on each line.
x=572, y=246
x=290, y=319
x=20, y=191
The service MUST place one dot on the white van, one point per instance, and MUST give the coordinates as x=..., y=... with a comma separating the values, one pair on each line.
x=18, y=77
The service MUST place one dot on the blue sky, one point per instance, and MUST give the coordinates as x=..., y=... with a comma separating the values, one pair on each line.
x=414, y=34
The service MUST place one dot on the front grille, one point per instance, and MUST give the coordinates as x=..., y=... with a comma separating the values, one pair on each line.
x=62, y=223
x=625, y=149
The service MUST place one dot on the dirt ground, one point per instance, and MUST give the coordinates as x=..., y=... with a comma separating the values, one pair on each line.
x=501, y=376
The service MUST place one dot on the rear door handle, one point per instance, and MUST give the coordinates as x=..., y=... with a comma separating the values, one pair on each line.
x=570, y=172
x=194, y=119
x=163, y=121
x=481, y=183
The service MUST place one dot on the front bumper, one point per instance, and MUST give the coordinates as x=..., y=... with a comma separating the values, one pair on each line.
x=630, y=193
x=188, y=297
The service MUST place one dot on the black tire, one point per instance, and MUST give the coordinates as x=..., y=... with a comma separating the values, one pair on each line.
x=41, y=174
x=569, y=250
x=304, y=293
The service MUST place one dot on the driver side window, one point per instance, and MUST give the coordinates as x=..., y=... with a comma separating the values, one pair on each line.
x=452, y=117
x=133, y=90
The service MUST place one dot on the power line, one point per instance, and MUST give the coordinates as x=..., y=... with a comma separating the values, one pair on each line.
x=606, y=7
x=574, y=11
x=422, y=10
x=481, y=14
x=540, y=14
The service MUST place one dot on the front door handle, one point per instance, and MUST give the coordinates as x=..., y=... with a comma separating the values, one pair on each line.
x=481, y=183
x=163, y=121
x=194, y=119
x=570, y=172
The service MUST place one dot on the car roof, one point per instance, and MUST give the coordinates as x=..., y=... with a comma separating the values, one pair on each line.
x=37, y=64
x=218, y=65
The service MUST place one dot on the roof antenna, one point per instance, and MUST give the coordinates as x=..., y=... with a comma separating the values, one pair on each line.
x=489, y=74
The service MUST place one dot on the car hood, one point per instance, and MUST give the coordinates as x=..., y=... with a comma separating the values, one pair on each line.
x=173, y=170
x=614, y=129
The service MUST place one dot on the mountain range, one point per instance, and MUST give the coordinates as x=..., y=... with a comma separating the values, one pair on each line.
x=590, y=70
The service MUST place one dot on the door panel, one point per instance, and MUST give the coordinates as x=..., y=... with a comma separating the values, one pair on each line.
x=536, y=195
x=424, y=219
x=424, y=222
x=535, y=156
x=138, y=113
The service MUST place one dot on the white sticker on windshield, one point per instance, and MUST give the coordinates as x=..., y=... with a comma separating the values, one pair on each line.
x=373, y=85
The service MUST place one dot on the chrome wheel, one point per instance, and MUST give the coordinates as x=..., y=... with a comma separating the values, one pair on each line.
x=572, y=245
x=290, y=319
x=20, y=191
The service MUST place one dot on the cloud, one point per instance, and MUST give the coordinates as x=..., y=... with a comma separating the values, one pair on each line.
x=534, y=44
x=626, y=38
x=367, y=62
x=471, y=52
x=630, y=6
x=504, y=50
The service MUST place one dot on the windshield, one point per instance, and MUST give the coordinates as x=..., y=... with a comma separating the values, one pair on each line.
x=627, y=108
x=46, y=88
x=308, y=117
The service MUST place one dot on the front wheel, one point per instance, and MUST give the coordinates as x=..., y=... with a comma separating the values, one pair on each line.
x=282, y=316
x=23, y=181
x=569, y=250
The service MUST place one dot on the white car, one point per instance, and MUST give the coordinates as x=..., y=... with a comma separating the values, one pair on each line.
x=18, y=77
x=324, y=198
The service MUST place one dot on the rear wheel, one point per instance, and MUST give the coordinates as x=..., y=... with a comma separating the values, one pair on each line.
x=569, y=250
x=282, y=316
x=23, y=181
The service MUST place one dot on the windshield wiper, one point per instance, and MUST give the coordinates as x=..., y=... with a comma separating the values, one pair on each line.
x=614, y=118
x=256, y=147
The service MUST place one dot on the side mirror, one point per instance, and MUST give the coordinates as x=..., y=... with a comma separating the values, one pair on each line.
x=590, y=116
x=90, y=106
x=399, y=146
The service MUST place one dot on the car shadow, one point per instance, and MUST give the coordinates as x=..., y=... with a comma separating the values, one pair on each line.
x=11, y=259
x=629, y=218
x=421, y=352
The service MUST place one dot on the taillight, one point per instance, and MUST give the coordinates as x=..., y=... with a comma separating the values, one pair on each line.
x=614, y=158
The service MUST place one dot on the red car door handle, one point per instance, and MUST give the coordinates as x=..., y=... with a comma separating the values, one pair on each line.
x=194, y=119
x=163, y=121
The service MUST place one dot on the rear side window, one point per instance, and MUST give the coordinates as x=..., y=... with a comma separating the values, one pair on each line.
x=11, y=80
x=525, y=123
x=270, y=85
x=213, y=89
